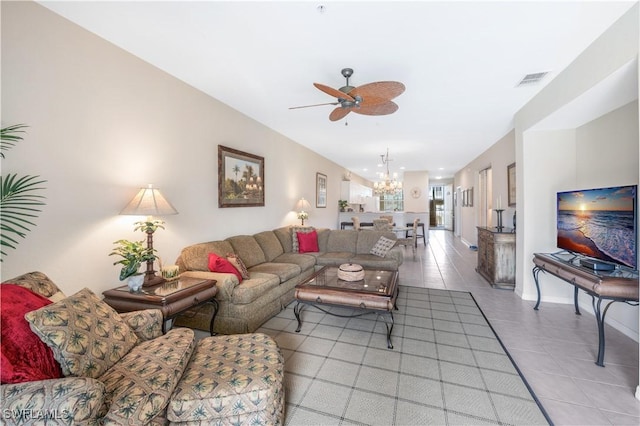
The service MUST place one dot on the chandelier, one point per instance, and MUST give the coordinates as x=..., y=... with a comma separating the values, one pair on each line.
x=388, y=184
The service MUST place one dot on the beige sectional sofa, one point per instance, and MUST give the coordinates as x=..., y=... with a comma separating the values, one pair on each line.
x=274, y=271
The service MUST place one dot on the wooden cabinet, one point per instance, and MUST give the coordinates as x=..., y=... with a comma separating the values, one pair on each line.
x=497, y=257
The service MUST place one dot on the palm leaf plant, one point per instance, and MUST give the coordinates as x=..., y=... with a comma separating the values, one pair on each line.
x=19, y=197
x=133, y=254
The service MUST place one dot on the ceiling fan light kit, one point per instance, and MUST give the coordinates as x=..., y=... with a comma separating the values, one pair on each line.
x=368, y=99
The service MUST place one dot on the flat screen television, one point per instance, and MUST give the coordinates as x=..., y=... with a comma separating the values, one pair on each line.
x=600, y=223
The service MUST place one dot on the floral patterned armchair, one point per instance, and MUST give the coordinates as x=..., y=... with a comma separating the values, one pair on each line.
x=119, y=369
x=73, y=400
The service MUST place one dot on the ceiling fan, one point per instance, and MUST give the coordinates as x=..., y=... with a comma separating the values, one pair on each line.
x=368, y=99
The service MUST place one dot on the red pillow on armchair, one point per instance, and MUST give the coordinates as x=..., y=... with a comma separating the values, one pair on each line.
x=24, y=357
x=308, y=242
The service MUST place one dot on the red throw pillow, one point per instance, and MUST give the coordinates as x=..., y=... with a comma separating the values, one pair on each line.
x=308, y=242
x=24, y=357
x=220, y=264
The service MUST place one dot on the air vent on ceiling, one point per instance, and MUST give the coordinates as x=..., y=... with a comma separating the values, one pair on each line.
x=530, y=79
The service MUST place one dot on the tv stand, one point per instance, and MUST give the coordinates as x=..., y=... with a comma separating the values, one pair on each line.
x=613, y=286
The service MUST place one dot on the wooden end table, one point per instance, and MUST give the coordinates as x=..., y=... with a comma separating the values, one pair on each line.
x=171, y=297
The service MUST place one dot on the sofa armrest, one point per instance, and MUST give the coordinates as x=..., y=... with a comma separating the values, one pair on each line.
x=146, y=324
x=70, y=400
x=397, y=254
x=224, y=281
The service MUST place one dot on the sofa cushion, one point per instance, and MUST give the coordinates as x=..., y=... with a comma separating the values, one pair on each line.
x=308, y=242
x=237, y=379
x=23, y=356
x=373, y=261
x=140, y=385
x=270, y=244
x=342, y=240
x=381, y=247
x=323, y=238
x=87, y=336
x=334, y=258
x=284, y=271
x=257, y=286
x=284, y=236
x=248, y=249
x=40, y=284
x=76, y=400
x=196, y=257
x=304, y=261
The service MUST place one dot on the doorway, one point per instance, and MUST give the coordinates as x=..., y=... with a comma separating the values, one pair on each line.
x=441, y=206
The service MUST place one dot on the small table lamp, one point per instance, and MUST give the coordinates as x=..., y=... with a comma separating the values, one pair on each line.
x=149, y=202
x=302, y=206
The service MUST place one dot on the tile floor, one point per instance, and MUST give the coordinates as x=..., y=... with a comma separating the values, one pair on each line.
x=446, y=366
x=554, y=349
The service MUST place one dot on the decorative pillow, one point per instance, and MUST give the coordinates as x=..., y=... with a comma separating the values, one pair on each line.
x=86, y=335
x=220, y=264
x=294, y=236
x=238, y=264
x=383, y=245
x=23, y=356
x=308, y=242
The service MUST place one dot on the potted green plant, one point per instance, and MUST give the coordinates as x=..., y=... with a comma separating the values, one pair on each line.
x=343, y=205
x=133, y=254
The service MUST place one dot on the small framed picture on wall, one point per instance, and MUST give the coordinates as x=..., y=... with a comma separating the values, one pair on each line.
x=511, y=184
x=321, y=190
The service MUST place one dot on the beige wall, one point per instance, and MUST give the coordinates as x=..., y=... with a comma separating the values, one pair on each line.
x=497, y=157
x=103, y=123
x=416, y=180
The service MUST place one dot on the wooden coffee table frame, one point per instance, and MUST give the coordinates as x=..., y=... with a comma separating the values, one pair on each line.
x=368, y=302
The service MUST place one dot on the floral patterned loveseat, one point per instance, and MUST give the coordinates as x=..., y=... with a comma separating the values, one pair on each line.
x=120, y=369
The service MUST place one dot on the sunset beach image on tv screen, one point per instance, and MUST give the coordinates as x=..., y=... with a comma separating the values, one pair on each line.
x=599, y=223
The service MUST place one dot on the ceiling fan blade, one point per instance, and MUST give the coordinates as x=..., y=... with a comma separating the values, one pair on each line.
x=380, y=89
x=339, y=113
x=315, y=105
x=333, y=92
x=386, y=108
x=371, y=100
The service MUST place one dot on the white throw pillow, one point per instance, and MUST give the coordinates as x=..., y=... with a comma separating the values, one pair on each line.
x=383, y=245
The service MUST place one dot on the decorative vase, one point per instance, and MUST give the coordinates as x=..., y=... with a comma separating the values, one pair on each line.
x=135, y=282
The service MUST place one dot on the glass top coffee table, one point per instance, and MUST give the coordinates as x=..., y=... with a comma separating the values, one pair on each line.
x=375, y=294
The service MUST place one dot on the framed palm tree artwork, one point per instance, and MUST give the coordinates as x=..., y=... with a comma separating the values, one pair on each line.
x=240, y=178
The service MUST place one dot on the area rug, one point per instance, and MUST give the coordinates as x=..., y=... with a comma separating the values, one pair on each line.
x=447, y=366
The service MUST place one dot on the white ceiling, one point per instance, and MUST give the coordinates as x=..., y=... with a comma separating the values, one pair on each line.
x=460, y=63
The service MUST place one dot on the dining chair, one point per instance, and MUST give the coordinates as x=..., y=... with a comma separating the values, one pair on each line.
x=412, y=239
x=381, y=225
x=389, y=218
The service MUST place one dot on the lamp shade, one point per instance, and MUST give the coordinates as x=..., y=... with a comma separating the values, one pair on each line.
x=303, y=205
x=149, y=202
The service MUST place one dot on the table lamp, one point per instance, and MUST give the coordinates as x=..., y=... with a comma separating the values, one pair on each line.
x=149, y=202
x=302, y=206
